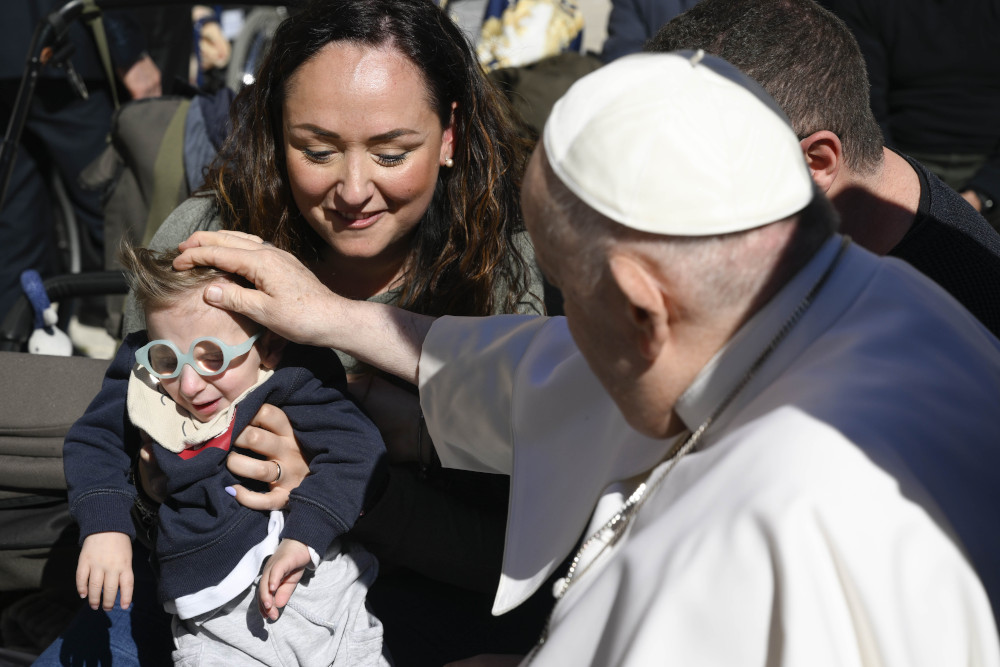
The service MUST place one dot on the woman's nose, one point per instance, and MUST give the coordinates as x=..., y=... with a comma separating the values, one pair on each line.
x=355, y=186
x=191, y=382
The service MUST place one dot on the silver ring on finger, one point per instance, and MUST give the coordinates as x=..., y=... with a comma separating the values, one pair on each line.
x=278, y=476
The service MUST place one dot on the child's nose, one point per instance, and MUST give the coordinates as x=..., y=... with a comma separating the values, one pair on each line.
x=191, y=382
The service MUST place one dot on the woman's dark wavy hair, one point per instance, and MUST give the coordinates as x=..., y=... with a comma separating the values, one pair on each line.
x=462, y=259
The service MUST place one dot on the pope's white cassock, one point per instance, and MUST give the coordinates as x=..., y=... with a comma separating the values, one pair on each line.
x=816, y=522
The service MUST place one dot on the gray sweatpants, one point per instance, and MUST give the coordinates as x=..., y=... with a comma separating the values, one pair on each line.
x=324, y=623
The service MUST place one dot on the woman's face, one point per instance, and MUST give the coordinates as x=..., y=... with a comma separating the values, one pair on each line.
x=363, y=148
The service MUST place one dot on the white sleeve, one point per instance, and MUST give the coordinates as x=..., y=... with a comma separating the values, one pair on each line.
x=514, y=395
x=467, y=371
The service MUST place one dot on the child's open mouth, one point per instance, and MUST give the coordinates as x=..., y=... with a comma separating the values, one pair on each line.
x=206, y=409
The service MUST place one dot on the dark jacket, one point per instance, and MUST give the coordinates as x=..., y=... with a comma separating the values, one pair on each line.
x=125, y=37
x=203, y=532
x=954, y=246
x=933, y=68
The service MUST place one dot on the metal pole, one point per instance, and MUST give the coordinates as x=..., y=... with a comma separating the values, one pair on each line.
x=48, y=33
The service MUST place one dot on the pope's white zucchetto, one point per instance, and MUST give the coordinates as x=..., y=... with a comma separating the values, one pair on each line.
x=677, y=143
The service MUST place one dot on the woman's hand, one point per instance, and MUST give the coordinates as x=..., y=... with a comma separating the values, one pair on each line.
x=289, y=299
x=269, y=434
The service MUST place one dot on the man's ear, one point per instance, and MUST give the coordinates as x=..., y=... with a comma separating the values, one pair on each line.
x=646, y=301
x=270, y=346
x=824, y=155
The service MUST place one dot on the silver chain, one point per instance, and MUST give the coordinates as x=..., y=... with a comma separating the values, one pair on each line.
x=612, y=530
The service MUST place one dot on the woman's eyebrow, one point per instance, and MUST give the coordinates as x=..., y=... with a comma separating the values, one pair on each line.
x=385, y=136
x=316, y=130
x=391, y=134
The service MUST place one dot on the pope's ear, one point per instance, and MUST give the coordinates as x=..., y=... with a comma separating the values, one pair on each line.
x=825, y=156
x=646, y=303
x=271, y=346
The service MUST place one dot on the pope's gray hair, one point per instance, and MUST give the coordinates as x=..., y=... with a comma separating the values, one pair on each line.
x=718, y=272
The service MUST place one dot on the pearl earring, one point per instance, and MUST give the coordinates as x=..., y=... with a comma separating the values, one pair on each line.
x=448, y=162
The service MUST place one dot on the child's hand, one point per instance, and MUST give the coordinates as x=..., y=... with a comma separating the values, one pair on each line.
x=282, y=572
x=105, y=563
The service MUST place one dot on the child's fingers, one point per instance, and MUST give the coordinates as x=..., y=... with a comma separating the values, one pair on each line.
x=283, y=585
x=94, y=587
x=277, y=573
x=110, y=591
x=265, y=600
x=284, y=594
x=82, y=578
x=126, y=582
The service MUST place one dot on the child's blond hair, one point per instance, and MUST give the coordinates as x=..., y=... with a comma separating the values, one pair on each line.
x=154, y=281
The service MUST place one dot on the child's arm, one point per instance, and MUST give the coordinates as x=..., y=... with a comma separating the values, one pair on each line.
x=96, y=463
x=105, y=563
x=282, y=573
x=98, y=451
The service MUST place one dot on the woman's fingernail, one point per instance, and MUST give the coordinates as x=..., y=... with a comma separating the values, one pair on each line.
x=231, y=491
x=214, y=294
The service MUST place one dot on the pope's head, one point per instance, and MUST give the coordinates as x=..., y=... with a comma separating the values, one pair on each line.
x=668, y=199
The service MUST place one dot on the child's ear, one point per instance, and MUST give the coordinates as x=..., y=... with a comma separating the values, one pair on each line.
x=270, y=345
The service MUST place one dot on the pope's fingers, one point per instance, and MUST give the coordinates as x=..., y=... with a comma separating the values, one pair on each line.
x=253, y=238
x=234, y=255
x=238, y=299
x=222, y=238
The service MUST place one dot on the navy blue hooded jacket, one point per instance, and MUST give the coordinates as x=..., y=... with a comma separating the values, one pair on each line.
x=202, y=531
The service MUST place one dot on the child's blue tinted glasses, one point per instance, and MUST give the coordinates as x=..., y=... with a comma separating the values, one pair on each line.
x=208, y=356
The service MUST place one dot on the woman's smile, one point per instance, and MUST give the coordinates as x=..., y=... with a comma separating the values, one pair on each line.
x=358, y=220
x=363, y=169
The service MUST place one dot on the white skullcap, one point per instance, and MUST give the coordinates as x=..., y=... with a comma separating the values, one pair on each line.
x=677, y=143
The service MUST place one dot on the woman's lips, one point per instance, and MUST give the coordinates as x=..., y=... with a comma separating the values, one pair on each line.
x=359, y=221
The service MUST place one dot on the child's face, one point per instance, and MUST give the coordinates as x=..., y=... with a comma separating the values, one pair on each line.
x=191, y=318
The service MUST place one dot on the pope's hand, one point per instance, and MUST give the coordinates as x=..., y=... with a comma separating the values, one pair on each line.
x=289, y=299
